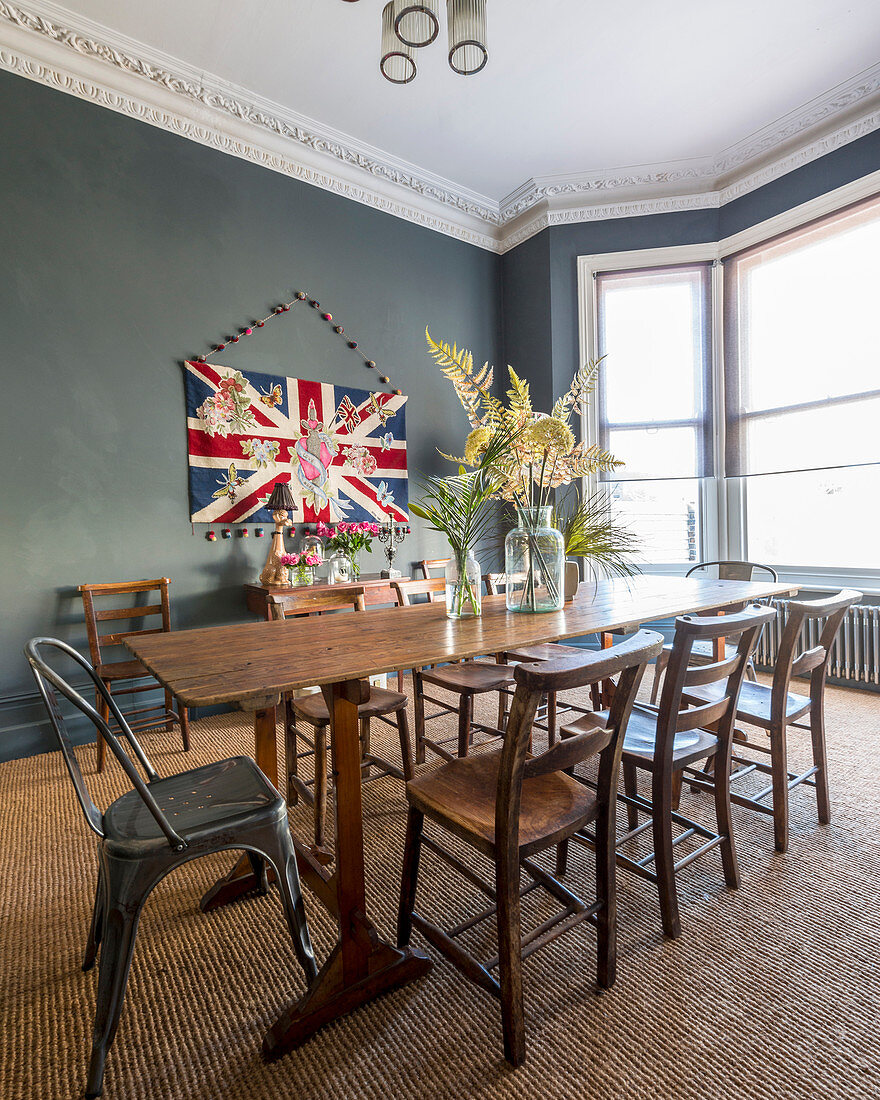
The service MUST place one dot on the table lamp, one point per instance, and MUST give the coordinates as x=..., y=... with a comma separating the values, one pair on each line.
x=279, y=504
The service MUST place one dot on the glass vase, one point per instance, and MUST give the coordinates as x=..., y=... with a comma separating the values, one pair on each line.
x=534, y=562
x=338, y=568
x=301, y=575
x=463, y=585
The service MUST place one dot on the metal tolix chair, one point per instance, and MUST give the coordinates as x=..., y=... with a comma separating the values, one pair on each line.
x=157, y=827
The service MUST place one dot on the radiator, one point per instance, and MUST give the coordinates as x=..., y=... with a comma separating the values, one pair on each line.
x=855, y=655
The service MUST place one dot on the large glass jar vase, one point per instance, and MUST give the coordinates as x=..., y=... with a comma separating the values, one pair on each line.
x=534, y=563
x=463, y=581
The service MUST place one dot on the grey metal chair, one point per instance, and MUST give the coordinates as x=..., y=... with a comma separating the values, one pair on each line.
x=157, y=827
x=703, y=653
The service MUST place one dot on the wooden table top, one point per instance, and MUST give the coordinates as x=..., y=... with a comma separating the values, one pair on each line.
x=250, y=664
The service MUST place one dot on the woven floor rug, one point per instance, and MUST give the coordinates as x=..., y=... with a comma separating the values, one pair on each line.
x=772, y=991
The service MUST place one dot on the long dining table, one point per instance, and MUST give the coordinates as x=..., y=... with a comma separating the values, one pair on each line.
x=249, y=666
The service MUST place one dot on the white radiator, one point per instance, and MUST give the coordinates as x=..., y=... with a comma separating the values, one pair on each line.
x=855, y=655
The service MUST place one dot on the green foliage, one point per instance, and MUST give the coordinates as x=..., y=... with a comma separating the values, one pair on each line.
x=591, y=531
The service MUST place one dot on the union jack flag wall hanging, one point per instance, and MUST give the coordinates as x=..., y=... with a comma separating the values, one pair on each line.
x=342, y=450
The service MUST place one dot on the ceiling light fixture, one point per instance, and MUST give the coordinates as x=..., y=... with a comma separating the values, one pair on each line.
x=409, y=25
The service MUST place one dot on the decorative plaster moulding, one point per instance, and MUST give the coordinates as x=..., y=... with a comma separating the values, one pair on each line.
x=63, y=50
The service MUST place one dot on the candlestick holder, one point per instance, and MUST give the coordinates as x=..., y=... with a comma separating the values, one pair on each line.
x=391, y=535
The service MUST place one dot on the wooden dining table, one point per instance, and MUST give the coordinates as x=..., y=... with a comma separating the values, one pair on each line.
x=250, y=665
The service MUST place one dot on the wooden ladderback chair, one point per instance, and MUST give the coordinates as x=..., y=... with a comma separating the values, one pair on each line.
x=510, y=806
x=465, y=679
x=548, y=713
x=666, y=741
x=703, y=652
x=775, y=707
x=156, y=827
x=117, y=675
x=429, y=565
x=312, y=709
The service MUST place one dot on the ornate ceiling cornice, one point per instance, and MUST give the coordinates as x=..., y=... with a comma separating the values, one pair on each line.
x=51, y=45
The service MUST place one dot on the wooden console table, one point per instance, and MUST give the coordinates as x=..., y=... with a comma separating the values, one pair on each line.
x=378, y=591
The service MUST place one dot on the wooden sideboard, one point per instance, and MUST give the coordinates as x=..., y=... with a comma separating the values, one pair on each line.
x=377, y=591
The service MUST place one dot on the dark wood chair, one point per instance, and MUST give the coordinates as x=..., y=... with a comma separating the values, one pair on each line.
x=665, y=741
x=118, y=676
x=312, y=708
x=775, y=708
x=703, y=652
x=466, y=679
x=157, y=827
x=510, y=806
x=424, y=568
x=496, y=585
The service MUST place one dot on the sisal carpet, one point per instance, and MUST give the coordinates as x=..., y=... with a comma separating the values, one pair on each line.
x=772, y=991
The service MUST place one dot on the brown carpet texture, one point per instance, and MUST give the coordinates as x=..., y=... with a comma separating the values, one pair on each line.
x=771, y=992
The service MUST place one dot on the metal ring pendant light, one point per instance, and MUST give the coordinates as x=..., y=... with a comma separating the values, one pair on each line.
x=397, y=64
x=466, y=25
x=417, y=24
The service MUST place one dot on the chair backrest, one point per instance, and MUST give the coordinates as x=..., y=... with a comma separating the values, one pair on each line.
x=629, y=657
x=736, y=570
x=305, y=601
x=744, y=627
x=496, y=583
x=432, y=587
x=48, y=682
x=815, y=660
x=425, y=567
x=94, y=594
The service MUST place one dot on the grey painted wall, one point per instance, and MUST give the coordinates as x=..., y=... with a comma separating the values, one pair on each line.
x=124, y=249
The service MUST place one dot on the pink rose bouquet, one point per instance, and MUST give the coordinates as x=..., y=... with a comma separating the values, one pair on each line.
x=351, y=539
x=299, y=566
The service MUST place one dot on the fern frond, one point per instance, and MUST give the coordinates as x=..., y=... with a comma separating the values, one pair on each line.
x=519, y=396
x=473, y=388
x=582, y=385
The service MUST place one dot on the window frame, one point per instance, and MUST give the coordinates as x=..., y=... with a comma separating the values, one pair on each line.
x=722, y=500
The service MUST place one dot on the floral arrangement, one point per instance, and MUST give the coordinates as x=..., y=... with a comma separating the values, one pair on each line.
x=300, y=564
x=541, y=453
x=350, y=538
x=229, y=409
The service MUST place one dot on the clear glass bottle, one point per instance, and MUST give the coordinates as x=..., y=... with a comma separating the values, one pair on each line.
x=463, y=586
x=534, y=562
x=338, y=568
x=312, y=544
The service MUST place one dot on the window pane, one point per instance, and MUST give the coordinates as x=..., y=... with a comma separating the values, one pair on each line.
x=816, y=518
x=663, y=515
x=654, y=452
x=831, y=435
x=651, y=328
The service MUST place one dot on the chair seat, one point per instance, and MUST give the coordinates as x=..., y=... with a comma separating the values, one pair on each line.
x=470, y=677
x=641, y=739
x=753, y=704
x=122, y=670
x=461, y=795
x=542, y=651
x=313, y=708
x=197, y=803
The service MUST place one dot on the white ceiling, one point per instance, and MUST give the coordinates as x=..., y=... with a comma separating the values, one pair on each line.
x=572, y=86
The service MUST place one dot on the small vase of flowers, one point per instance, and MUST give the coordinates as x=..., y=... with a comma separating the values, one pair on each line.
x=301, y=567
x=351, y=539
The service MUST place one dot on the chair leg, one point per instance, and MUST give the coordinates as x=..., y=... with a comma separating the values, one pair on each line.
x=465, y=717
x=631, y=790
x=291, y=763
x=412, y=848
x=659, y=665
x=321, y=785
x=183, y=713
x=365, y=744
x=606, y=892
x=169, y=706
x=123, y=907
x=104, y=711
x=284, y=859
x=664, y=854
x=258, y=866
x=510, y=957
x=551, y=719
x=405, y=745
x=676, y=790
x=419, y=710
x=95, y=929
x=779, y=778
x=561, y=858
x=721, y=792
x=820, y=760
